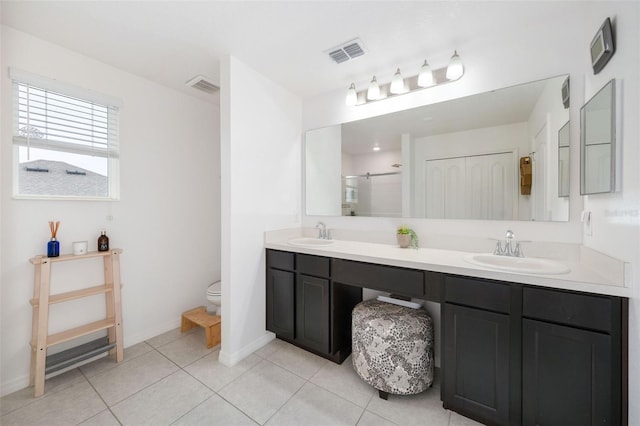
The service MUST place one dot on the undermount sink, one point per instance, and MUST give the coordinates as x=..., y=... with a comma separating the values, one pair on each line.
x=526, y=265
x=310, y=242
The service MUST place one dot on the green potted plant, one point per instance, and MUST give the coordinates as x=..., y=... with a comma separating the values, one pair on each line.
x=406, y=237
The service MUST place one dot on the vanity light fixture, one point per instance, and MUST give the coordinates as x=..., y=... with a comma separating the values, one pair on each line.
x=427, y=77
x=373, y=93
x=455, y=68
x=397, y=83
x=352, y=95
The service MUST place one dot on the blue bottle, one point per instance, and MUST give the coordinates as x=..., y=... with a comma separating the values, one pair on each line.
x=53, y=248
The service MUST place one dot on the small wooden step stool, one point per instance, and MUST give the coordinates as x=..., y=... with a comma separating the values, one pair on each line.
x=200, y=317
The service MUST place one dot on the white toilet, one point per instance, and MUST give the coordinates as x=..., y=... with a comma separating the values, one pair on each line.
x=214, y=296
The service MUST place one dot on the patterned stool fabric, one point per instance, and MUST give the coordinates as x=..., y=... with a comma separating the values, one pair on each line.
x=392, y=347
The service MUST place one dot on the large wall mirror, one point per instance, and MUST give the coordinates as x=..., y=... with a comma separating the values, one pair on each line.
x=458, y=159
x=598, y=143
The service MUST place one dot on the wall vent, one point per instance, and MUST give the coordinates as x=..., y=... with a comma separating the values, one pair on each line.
x=201, y=82
x=349, y=50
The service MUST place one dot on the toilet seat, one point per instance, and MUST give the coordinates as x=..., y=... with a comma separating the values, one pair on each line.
x=214, y=296
x=215, y=289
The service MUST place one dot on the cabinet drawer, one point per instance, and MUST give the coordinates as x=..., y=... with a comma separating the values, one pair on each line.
x=280, y=260
x=477, y=293
x=580, y=310
x=313, y=265
x=408, y=282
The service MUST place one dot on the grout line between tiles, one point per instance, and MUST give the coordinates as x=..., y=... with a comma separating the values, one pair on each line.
x=260, y=358
x=216, y=392
x=285, y=403
x=140, y=390
x=101, y=399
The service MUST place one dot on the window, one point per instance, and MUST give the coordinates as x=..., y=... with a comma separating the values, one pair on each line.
x=65, y=141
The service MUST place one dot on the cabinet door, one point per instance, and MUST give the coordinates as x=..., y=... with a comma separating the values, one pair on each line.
x=312, y=312
x=566, y=376
x=476, y=363
x=280, y=302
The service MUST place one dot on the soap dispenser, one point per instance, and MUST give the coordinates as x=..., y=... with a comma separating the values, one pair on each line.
x=103, y=241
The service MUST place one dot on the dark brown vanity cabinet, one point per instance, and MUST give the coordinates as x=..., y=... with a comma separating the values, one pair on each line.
x=280, y=295
x=511, y=354
x=523, y=355
x=573, y=354
x=305, y=307
x=478, y=361
x=312, y=307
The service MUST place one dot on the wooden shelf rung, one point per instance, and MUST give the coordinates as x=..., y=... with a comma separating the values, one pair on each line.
x=41, y=259
x=83, y=330
x=75, y=294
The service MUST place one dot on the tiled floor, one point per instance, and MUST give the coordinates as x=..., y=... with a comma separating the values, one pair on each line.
x=174, y=379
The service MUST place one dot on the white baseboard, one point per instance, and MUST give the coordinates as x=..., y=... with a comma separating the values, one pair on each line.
x=230, y=359
x=148, y=333
x=14, y=384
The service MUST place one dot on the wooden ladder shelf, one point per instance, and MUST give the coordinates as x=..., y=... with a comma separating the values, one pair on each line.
x=40, y=337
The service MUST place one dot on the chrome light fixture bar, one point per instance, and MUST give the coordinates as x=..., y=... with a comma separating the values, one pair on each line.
x=426, y=78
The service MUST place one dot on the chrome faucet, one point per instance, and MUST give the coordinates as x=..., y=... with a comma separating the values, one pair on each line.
x=511, y=246
x=323, y=232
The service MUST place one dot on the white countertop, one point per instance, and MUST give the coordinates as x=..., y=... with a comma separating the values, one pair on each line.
x=582, y=277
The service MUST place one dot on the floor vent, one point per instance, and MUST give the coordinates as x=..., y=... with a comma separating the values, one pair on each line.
x=349, y=50
x=202, y=83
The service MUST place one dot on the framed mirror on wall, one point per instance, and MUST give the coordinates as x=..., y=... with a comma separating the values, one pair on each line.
x=457, y=159
x=599, y=154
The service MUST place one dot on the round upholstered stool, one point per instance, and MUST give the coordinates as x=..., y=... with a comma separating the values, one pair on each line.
x=392, y=347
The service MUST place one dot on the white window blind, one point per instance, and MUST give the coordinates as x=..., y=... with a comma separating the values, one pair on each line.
x=65, y=139
x=50, y=120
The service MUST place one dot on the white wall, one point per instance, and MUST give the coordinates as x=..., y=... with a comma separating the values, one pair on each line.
x=261, y=175
x=167, y=221
x=616, y=217
x=557, y=45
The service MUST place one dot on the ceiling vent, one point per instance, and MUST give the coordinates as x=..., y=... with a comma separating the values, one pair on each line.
x=349, y=50
x=201, y=82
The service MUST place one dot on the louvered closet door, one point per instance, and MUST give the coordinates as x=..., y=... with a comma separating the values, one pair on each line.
x=476, y=187
x=490, y=186
x=445, y=189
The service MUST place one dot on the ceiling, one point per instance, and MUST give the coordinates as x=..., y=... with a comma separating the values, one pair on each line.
x=170, y=42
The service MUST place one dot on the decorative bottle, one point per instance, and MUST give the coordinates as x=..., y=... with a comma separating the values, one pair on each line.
x=53, y=248
x=103, y=241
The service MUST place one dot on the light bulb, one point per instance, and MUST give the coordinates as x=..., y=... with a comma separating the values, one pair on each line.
x=455, y=68
x=374, y=90
x=425, y=76
x=352, y=96
x=397, y=83
x=376, y=147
